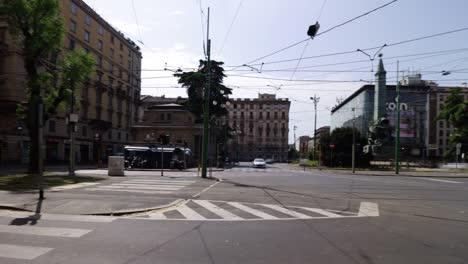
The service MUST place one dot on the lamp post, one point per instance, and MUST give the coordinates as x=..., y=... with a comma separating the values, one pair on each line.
x=315, y=99
x=397, y=129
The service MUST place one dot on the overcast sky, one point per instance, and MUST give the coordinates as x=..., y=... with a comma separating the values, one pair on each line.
x=242, y=31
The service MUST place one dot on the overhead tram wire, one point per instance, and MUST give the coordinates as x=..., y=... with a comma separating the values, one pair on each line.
x=366, y=49
x=137, y=23
x=230, y=27
x=326, y=31
x=202, y=14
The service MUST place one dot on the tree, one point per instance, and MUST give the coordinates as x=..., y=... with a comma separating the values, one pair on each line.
x=342, y=139
x=195, y=81
x=39, y=31
x=455, y=111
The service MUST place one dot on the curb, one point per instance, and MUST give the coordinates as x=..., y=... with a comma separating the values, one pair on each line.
x=13, y=208
x=140, y=210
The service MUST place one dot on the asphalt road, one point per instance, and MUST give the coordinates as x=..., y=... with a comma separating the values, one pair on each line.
x=272, y=215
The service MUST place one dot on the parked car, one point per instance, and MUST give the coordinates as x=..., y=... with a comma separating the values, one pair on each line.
x=259, y=163
x=269, y=161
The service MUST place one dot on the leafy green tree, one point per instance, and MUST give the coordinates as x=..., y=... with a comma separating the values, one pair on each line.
x=455, y=111
x=195, y=82
x=342, y=139
x=39, y=31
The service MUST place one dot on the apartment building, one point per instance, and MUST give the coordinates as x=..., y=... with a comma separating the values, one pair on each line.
x=107, y=102
x=260, y=127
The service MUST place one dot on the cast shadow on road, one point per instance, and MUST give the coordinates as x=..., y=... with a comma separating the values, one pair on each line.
x=30, y=220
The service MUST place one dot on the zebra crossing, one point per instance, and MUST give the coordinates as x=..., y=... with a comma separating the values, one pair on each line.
x=260, y=170
x=26, y=251
x=204, y=210
x=144, y=186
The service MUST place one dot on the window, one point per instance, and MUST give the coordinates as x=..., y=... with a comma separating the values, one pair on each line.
x=99, y=61
x=74, y=8
x=109, y=135
x=235, y=106
x=163, y=116
x=86, y=50
x=120, y=73
x=98, y=97
x=71, y=44
x=260, y=115
x=99, y=77
x=111, y=68
x=251, y=106
x=283, y=115
x=121, y=46
x=112, y=53
x=84, y=131
x=88, y=20
x=268, y=114
x=100, y=30
x=260, y=106
x=100, y=45
x=72, y=26
x=119, y=136
x=120, y=59
x=276, y=114
x=109, y=118
x=98, y=113
x=112, y=40
x=251, y=115
x=129, y=52
x=87, y=36
x=129, y=65
x=169, y=116
x=52, y=125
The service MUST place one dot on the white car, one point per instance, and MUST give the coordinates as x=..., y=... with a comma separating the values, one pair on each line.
x=259, y=163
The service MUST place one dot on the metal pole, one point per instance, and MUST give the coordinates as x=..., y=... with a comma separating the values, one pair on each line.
x=40, y=141
x=397, y=132
x=316, y=100
x=162, y=159
x=353, y=155
x=206, y=110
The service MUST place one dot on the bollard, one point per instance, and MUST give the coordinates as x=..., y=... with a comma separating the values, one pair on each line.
x=116, y=166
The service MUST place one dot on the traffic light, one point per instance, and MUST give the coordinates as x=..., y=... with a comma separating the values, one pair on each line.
x=164, y=139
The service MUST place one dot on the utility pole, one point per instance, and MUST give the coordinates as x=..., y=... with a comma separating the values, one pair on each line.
x=397, y=130
x=315, y=99
x=206, y=110
x=353, y=155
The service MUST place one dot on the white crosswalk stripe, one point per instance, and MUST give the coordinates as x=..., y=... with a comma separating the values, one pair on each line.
x=25, y=251
x=195, y=210
x=144, y=186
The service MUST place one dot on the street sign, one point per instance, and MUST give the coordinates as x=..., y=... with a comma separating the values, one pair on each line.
x=459, y=145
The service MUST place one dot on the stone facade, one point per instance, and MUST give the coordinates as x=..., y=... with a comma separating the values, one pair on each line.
x=108, y=101
x=165, y=116
x=261, y=128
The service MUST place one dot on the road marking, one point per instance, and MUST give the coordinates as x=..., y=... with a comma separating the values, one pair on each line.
x=206, y=189
x=105, y=188
x=252, y=211
x=59, y=217
x=22, y=252
x=158, y=216
x=437, y=180
x=217, y=210
x=74, y=186
x=189, y=213
x=321, y=211
x=162, y=181
x=368, y=209
x=286, y=211
x=43, y=231
x=157, y=183
x=141, y=187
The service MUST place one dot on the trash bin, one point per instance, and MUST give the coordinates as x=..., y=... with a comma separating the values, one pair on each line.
x=116, y=166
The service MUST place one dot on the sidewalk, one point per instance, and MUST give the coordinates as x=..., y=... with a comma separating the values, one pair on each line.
x=62, y=201
x=417, y=172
